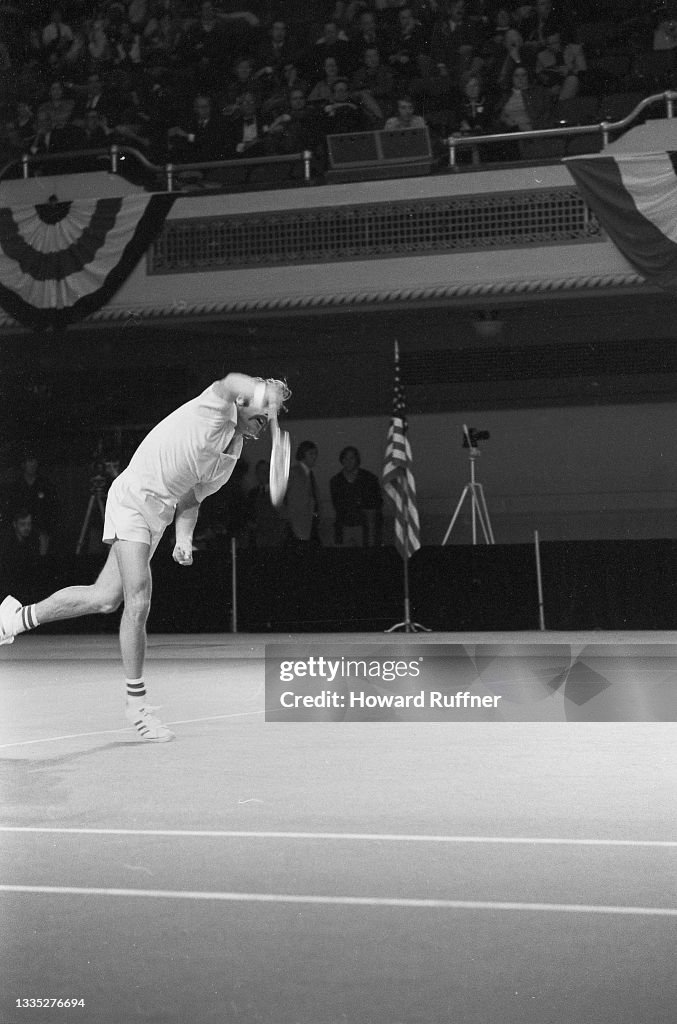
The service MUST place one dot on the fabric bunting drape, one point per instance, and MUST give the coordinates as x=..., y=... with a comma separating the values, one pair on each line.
x=61, y=261
x=634, y=197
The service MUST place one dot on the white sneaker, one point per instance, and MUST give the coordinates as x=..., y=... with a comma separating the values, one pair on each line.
x=8, y=609
x=147, y=725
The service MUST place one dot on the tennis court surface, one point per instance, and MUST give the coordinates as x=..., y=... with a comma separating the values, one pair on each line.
x=500, y=872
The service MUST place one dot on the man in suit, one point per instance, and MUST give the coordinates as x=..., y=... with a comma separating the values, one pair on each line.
x=301, y=502
x=204, y=139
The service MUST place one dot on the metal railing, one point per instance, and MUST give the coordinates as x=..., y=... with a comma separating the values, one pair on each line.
x=605, y=128
x=170, y=172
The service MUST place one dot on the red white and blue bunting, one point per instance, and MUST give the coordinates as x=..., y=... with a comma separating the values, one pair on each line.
x=61, y=261
x=634, y=197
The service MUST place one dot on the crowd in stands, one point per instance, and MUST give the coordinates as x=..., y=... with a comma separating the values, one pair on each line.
x=188, y=81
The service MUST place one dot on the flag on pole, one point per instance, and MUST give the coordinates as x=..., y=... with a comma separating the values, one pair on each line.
x=397, y=476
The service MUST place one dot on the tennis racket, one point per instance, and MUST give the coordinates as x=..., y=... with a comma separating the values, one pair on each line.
x=280, y=458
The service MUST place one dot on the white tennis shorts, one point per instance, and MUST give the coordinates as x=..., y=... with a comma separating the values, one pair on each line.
x=124, y=522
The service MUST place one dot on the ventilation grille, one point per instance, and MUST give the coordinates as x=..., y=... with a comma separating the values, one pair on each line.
x=372, y=231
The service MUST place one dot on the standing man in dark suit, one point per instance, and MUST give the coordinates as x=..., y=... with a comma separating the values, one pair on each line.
x=302, y=504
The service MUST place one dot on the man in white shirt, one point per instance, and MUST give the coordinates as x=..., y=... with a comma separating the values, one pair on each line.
x=185, y=458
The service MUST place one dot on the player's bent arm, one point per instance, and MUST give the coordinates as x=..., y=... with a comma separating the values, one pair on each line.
x=241, y=389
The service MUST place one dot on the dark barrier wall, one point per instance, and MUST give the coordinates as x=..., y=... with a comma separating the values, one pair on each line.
x=603, y=585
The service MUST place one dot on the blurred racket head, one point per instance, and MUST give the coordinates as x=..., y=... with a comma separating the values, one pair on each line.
x=280, y=460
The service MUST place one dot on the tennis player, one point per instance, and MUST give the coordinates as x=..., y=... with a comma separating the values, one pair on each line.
x=185, y=458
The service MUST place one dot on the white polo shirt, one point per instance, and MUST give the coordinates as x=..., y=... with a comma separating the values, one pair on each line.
x=185, y=452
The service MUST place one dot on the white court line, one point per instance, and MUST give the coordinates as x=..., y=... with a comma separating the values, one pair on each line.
x=344, y=901
x=112, y=732
x=351, y=836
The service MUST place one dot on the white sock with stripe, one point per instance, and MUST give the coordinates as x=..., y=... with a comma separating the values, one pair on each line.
x=26, y=619
x=136, y=692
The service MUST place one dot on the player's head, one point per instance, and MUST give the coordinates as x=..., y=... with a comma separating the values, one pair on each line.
x=252, y=419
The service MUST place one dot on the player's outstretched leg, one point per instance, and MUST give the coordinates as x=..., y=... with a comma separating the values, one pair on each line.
x=134, y=566
x=103, y=596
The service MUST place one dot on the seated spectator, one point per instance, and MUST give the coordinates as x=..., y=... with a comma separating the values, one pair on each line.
x=20, y=554
x=526, y=107
x=366, y=37
x=94, y=97
x=541, y=21
x=323, y=89
x=454, y=43
x=375, y=79
x=20, y=130
x=205, y=47
x=665, y=34
x=56, y=37
x=407, y=49
x=342, y=114
x=475, y=116
x=162, y=37
x=560, y=68
x=76, y=59
x=514, y=58
x=297, y=128
x=405, y=117
x=32, y=493
x=332, y=43
x=59, y=108
x=54, y=138
x=357, y=500
x=203, y=138
x=242, y=80
x=246, y=129
x=276, y=51
x=266, y=527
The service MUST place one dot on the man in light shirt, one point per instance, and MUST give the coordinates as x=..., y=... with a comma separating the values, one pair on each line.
x=185, y=458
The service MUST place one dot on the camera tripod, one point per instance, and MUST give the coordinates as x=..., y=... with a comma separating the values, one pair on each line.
x=478, y=504
x=96, y=497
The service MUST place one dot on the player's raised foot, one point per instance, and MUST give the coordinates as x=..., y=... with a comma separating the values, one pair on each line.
x=147, y=725
x=8, y=609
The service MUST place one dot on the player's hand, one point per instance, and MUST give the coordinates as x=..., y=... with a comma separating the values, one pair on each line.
x=183, y=552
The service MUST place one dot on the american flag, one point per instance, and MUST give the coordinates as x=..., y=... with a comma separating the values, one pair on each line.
x=397, y=476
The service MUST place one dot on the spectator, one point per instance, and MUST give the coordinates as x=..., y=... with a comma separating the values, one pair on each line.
x=342, y=114
x=559, y=68
x=297, y=128
x=302, y=500
x=475, y=115
x=367, y=36
x=332, y=43
x=407, y=48
x=20, y=131
x=94, y=98
x=246, y=132
x=59, y=108
x=322, y=91
x=454, y=43
x=242, y=80
x=276, y=51
x=203, y=139
x=20, y=554
x=32, y=492
x=405, y=117
x=206, y=47
x=357, y=500
x=526, y=107
x=266, y=527
x=56, y=38
x=374, y=78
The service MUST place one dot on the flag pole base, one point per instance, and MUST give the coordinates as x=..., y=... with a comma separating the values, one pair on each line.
x=408, y=627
